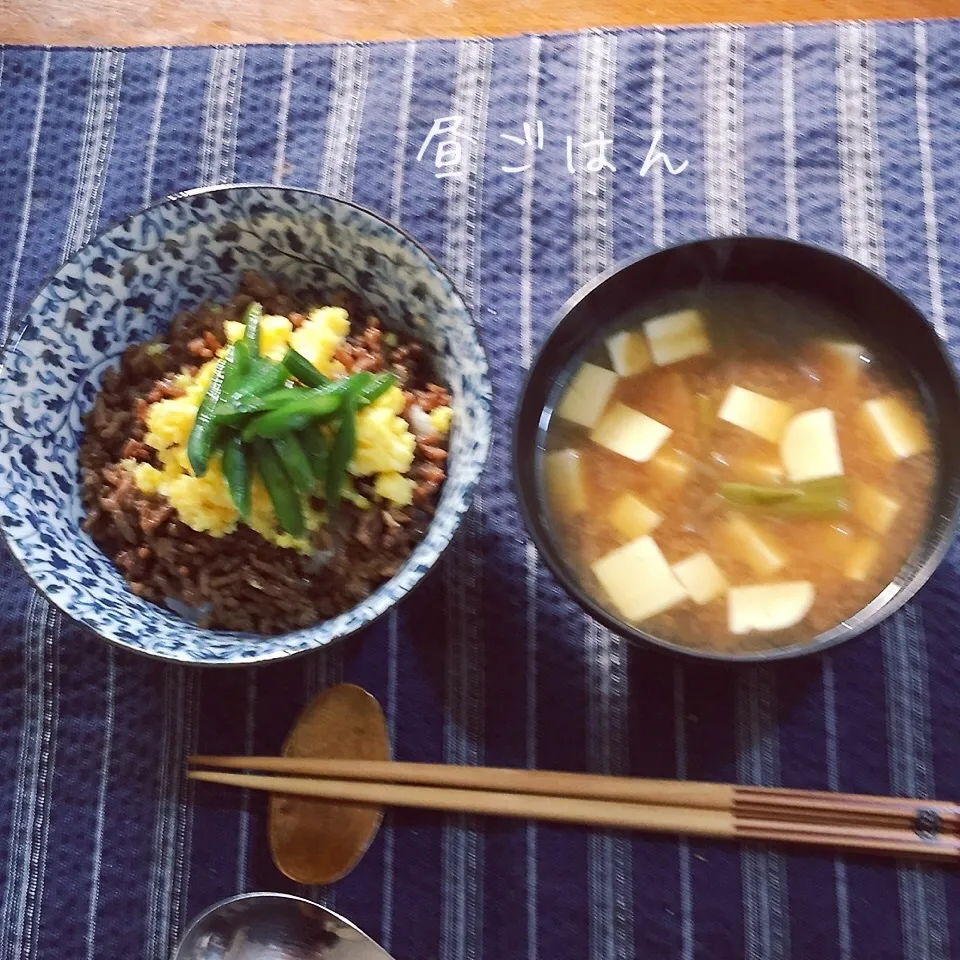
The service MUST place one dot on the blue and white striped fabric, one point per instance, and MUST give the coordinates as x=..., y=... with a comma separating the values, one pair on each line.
x=846, y=136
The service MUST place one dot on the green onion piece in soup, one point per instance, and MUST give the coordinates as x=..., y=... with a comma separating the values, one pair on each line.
x=816, y=498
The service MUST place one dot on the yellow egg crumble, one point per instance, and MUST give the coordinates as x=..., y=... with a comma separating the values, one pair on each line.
x=384, y=441
x=441, y=417
x=385, y=445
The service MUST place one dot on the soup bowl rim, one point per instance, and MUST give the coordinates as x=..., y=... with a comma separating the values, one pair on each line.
x=524, y=447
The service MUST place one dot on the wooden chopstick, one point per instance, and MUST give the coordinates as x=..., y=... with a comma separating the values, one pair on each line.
x=608, y=813
x=584, y=786
x=891, y=825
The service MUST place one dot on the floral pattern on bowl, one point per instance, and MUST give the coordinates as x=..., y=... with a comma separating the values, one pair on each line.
x=125, y=287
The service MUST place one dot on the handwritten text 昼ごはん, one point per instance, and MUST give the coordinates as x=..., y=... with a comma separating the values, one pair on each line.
x=450, y=143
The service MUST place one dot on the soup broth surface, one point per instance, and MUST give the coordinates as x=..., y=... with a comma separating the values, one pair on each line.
x=831, y=504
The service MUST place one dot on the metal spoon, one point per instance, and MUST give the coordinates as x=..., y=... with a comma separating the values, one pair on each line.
x=320, y=841
x=274, y=926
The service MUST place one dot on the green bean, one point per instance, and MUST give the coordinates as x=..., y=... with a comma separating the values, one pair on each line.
x=295, y=415
x=205, y=435
x=238, y=366
x=295, y=462
x=251, y=335
x=283, y=496
x=300, y=367
x=231, y=411
x=378, y=386
x=315, y=447
x=341, y=453
x=264, y=376
x=361, y=382
x=237, y=471
x=205, y=430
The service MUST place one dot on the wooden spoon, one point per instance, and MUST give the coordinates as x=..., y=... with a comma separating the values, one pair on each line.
x=321, y=841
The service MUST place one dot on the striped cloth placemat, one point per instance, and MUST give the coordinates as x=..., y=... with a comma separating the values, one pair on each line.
x=844, y=135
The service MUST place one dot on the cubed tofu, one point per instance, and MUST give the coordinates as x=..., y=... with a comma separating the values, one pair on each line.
x=629, y=353
x=701, y=577
x=672, y=468
x=630, y=433
x=638, y=580
x=898, y=431
x=872, y=507
x=587, y=395
x=755, y=413
x=754, y=547
x=809, y=448
x=631, y=517
x=863, y=559
x=563, y=471
x=767, y=607
x=676, y=337
x=842, y=363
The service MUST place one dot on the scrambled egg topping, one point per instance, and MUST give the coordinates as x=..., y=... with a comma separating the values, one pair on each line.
x=385, y=444
x=317, y=339
x=384, y=441
x=441, y=418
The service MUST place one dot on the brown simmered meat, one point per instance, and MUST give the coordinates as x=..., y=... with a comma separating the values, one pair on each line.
x=241, y=581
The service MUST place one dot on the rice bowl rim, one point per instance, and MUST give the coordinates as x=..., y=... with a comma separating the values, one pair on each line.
x=434, y=544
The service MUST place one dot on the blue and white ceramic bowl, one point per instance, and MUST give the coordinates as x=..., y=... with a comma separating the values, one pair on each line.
x=124, y=288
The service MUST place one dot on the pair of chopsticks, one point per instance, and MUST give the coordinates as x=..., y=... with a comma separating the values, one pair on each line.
x=929, y=829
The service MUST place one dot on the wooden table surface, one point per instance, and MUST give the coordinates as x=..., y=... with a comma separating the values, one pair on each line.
x=131, y=22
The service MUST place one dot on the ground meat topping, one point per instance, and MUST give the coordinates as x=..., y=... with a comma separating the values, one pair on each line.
x=240, y=581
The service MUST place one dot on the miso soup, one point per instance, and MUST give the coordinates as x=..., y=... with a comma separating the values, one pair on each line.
x=736, y=469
